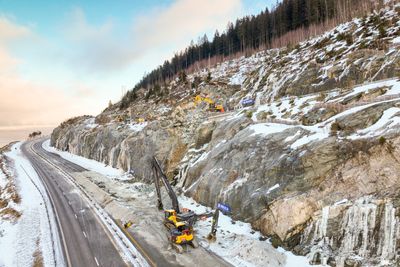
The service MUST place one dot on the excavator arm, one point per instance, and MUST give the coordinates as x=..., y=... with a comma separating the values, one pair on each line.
x=158, y=175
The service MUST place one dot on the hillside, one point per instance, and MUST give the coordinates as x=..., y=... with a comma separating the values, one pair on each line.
x=289, y=22
x=313, y=164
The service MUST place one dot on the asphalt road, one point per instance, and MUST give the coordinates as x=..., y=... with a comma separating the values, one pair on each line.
x=86, y=242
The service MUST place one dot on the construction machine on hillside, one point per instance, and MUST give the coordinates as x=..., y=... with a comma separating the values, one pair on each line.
x=180, y=224
x=212, y=106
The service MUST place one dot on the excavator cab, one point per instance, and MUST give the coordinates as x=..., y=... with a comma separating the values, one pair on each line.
x=170, y=216
x=216, y=108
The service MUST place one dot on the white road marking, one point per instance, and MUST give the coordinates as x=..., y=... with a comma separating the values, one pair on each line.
x=96, y=261
x=76, y=217
x=84, y=234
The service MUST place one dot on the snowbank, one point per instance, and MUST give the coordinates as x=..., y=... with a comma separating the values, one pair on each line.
x=35, y=230
x=89, y=164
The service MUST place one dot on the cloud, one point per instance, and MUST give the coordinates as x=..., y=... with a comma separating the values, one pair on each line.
x=184, y=20
x=10, y=34
x=10, y=31
x=161, y=31
x=24, y=101
x=97, y=48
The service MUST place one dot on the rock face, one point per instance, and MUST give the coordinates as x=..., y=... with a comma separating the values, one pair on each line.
x=316, y=172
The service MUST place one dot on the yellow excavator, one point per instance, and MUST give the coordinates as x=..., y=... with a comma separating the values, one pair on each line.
x=180, y=225
x=211, y=104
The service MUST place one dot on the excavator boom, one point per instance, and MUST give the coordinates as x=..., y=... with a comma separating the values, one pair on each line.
x=158, y=175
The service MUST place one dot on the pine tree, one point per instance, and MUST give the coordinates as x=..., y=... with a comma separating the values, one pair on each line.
x=275, y=28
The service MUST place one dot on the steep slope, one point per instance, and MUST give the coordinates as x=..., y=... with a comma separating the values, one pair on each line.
x=313, y=164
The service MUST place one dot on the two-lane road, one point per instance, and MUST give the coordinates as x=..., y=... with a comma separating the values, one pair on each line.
x=85, y=239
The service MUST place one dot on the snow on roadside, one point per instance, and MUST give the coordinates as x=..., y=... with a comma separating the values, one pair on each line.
x=35, y=230
x=89, y=164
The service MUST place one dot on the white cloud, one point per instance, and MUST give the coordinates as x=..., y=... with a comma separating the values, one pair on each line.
x=184, y=20
x=25, y=101
x=161, y=31
x=9, y=31
x=96, y=47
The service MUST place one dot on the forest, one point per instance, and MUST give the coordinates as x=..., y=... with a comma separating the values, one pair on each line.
x=289, y=22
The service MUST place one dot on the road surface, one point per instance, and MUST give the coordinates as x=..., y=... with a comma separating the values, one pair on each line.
x=85, y=240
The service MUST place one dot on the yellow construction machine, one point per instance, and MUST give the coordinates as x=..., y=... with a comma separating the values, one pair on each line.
x=179, y=224
x=211, y=103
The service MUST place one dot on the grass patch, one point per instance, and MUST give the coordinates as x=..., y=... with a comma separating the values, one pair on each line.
x=37, y=256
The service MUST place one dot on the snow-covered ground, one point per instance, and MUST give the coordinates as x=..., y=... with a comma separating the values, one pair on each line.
x=89, y=164
x=35, y=231
x=236, y=241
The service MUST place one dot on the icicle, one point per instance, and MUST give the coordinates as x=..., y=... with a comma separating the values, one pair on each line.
x=390, y=224
x=324, y=221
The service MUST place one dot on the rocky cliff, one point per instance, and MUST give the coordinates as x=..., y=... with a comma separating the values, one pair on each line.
x=314, y=164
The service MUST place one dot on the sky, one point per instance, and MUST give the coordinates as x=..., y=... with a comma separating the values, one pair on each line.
x=64, y=58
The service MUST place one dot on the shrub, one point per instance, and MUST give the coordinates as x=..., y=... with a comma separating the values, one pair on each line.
x=182, y=77
x=348, y=37
x=102, y=119
x=331, y=54
x=363, y=45
x=321, y=97
x=262, y=115
x=324, y=42
x=196, y=82
x=249, y=114
x=341, y=36
x=335, y=127
x=382, y=31
x=382, y=140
